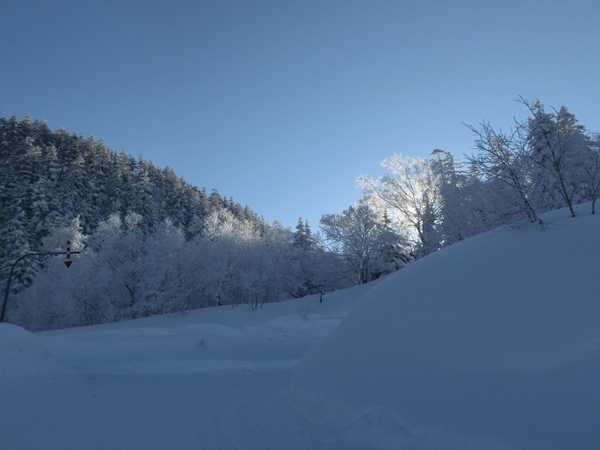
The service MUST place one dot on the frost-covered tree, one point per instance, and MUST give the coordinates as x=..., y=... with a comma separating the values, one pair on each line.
x=591, y=169
x=557, y=146
x=360, y=238
x=504, y=164
x=168, y=282
x=411, y=193
x=455, y=210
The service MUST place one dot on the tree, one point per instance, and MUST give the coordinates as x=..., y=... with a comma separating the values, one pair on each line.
x=312, y=271
x=503, y=158
x=412, y=193
x=591, y=168
x=359, y=237
x=557, y=147
x=451, y=182
x=168, y=281
x=22, y=205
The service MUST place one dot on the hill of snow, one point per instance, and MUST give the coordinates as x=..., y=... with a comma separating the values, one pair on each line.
x=492, y=343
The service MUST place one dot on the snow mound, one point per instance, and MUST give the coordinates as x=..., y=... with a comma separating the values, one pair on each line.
x=25, y=363
x=493, y=342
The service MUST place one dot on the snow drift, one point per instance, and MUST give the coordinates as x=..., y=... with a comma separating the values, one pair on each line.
x=25, y=363
x=493, y=342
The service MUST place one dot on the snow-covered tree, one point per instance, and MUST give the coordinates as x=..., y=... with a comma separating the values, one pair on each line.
x=412, y=195
x=558, y=146
x=360, y=238
x=591, y=169
x=504, y=164
x=168, y=282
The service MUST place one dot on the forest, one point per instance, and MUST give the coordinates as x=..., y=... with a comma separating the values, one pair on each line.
x=150, y=243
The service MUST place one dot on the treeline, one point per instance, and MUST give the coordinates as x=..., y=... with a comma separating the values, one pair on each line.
x=152, y=244
x=125, y=272
x=548, y=161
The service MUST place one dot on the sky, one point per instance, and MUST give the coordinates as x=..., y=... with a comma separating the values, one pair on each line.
x=283, y=104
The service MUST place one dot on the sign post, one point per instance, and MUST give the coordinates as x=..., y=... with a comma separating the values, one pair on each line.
x=67, y=263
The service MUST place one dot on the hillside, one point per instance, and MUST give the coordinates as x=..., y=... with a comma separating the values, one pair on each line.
x=53, y=179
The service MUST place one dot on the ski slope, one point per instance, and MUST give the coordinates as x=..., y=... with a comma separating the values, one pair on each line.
x=492, y=343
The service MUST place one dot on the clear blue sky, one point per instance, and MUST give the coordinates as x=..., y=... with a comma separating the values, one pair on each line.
x=282, y=104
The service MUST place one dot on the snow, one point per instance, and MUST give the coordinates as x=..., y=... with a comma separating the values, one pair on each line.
x=26, y=364
x=492, y=343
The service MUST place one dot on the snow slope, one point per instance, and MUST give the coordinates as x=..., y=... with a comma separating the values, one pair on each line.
x=493, y=343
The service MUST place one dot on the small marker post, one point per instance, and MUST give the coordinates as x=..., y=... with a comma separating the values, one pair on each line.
x=68, y=263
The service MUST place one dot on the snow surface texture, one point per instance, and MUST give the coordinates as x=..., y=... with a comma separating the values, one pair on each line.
x=493, y=343
x=25, y=363
x=215, y=378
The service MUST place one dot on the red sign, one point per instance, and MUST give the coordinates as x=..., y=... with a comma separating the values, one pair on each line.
x=68, y=263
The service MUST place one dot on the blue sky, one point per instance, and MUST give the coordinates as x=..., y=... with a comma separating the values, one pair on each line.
x=282, y=104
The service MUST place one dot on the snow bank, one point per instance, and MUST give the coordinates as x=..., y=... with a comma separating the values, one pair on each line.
x=25, y=364
x=491, y=343
x=219, y=340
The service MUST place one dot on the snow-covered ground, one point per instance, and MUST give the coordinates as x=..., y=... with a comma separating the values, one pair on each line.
x=493, y=343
